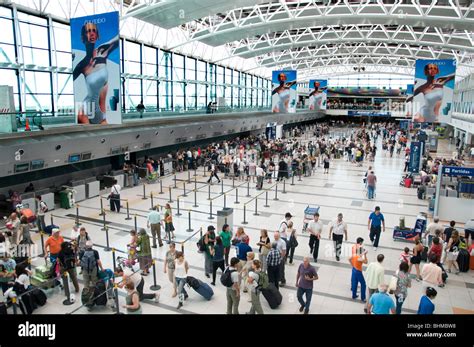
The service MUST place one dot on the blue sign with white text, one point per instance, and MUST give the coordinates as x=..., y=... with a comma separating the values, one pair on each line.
x=458, y=171
x=415, y=157
x=368, y=113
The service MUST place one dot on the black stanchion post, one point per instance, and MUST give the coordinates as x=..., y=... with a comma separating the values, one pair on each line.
x=184, y=188
x=68, y=301
x=51, y=219
x=195, y=183
x=245, y=215
x=128, y=213
x=175, y=181
x=276, y=192
x=208, y=191
x=195, y=199
x=144, y=192
x=151, y=201
x=14, y=300
x=225, y=200
x=177, y=202
x=113, y=258
x=103, y=221
x=135, y=224
x=107, y=249
x=189, y=176
x=293, y=180
x=170, y=200
x=161, y=187
x=154, y=286
x=236, y=196
x=189, y=229
x=222, y=186
x=210, y=210
x=195, y=172
x=256, y=207
x=77, y=215
x=284, y=186
x=204, y=171
x=299, y=176
x=233, y=181
x=42, y=243
x=248, y=189
x=266, y=199
x=117, y=306
x=101, y=205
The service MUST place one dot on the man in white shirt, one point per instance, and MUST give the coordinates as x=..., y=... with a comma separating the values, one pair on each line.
x=431, y=230
x=115, y=197
x=260, y=177
x=284, y=226
x=315, y=227
x=374, y=275
x=338, y=229
x=41, y=211
x=281, y=247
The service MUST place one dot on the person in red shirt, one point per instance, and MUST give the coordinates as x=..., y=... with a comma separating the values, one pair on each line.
x=436, y=248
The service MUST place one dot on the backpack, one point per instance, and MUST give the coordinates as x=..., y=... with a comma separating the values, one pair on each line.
x=226, y=278
x=262, y=280
x=69, y=259
x=88, y=261
x=201, y=245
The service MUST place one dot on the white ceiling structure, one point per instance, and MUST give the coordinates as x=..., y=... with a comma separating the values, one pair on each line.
x=317, y=37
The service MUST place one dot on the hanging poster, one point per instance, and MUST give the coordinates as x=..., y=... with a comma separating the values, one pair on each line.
x=318, y=94
x=284, y=91
x=409, y=101
x=96, y=68
x=433, y=91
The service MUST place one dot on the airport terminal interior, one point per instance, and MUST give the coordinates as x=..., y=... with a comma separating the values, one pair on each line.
x=175, y=134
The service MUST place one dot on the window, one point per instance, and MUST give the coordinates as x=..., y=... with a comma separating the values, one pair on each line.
x=191, y=96
x=178, y=96
x=134, y=88
x=150, y=68
x=9, y=78
x=178, y=67
x=38, y=91
x=150, y=94
x=132, y=52
x=190, y=68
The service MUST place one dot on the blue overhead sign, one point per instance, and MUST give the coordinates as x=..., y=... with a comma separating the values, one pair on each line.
x=458, y=171
x=368, y=113
x=415, y=157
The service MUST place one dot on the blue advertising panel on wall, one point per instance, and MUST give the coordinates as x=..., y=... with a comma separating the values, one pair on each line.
x=415, y=157
x=368, y=113
x=318, y=94
x=434, y=88
x=284, y=91
x=458, y=171
x=96, y=68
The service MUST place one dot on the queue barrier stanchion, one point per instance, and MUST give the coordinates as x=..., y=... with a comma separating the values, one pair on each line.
x=293, y=179
x=236, y=196
x=189, y=176
x=68, y=300
x=233, y=181
x=151, y=201
x=161, y=187
x=195, y=172
x=77, y=215
x=113, y=258
x=208, y=191
x=154, y=286
x=266, y=199
x=171, y=199
x=195, y=183
x=256, y=207
x=15, y=309
x=42, y=243
x=104, y=222
x=276, y=193
x=204, y=171
x=245, y=215
x=175, y=186
x=248, y=188
x=189, y=229
x=210, y=210
x=178, y=213
x=51, y=219
x=225, y=200
x=101, y=199
x=222, y=186
x=284, y=186
x=144, y=192
x=107, y=248
x=184, y=189
x=135, y=224
x=128, y=213
x=195, y=199
x=117, y=306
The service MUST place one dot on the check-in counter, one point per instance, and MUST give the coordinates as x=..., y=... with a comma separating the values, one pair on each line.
x=47, y=196
x=92, y=187
x=119, y=175
x=28, y=201
x=80, y=190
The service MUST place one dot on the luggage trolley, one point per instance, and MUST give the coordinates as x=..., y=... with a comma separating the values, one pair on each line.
x=407, y=234
x=309, y=215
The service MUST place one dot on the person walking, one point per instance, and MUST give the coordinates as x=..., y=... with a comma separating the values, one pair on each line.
x=169, y=264
x=358, y=258
x=90, y=265
x=338, y=230
x=226, y=237
x=67, y=262
x=114, y=197
x=254, y=281
x=431, y=230
x=213, y=173
x=326, y=164
x=144, y=252
x=154, y=223
x=452, y=249
x=41, y=211
x=403, y=283
x=371, y=183
x=169, y=227
x=181, y=269
x=217, y=254
x=376, y=225
x=375, y=276
x=281, y=247
x=416, y=258
x=273, y=265
x=315, y=228
x=381, y=302
x=264, y=248
x=305, y=278
x=209, y=240
x=292, y=242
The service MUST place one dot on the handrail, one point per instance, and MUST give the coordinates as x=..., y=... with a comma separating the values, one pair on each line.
x=261, y=193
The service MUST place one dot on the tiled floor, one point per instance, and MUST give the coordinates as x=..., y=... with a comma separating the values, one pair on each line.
x=341, y=190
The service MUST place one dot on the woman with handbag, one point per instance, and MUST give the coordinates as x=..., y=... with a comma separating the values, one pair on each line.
x=132, y=248
x=264, y=248
x=452, y=250
x=169, y=227
x=402, y=283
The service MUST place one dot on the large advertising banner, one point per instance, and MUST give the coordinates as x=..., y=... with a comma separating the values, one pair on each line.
x=434, y=87
x=318, y=94
x=284, y=91
x=96, y=68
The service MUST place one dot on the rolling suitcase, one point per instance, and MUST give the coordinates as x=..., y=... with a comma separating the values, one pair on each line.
x=87, y=297
x=100, y=293
x=463, y=260
x=200, y=287
x=272, y=295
